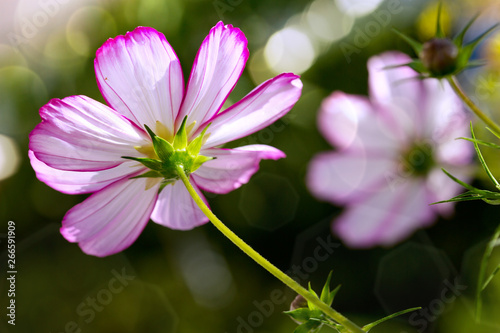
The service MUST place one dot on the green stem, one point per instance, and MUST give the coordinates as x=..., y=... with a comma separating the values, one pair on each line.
x=481, y=285
x=480, y=114
x=350, y=326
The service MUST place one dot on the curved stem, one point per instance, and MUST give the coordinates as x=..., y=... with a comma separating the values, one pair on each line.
x=480, y=114
x=350, y=326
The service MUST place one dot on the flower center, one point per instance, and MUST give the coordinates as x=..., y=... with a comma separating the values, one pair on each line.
x=418, y=160
x=164, y=157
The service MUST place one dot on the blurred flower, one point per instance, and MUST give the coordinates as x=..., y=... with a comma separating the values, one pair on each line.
x=390, y=150
x=80, y=144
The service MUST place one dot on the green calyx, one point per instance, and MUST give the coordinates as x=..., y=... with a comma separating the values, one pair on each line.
x=441, y=57
x=168, y=156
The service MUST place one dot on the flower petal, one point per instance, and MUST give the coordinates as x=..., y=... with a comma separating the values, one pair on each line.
x=386, y=217
x=140, y=76
x=397, y=93
x=110, y=220
x=232, y=167
x=346, y=178
x=218, y=65
x=176, y=209
x=446, y=121
x=79, y=182
x=80, y=134
x=263, y=106
x=389, y=84
x=351, y=122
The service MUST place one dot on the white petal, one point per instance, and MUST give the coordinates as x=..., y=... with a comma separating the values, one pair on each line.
x=78, y=182
x=140, y=76
x=260, y=108
x=80, y=134
x=110, y=220
x=218, y=65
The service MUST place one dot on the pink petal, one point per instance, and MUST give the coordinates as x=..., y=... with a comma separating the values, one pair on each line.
x=176, y=209
x=351, y=122
x=446, y=121
x=389, y=84
x=80, y=134
x=260, y=108
x=232, y=167
x=140, y=76
x=78, y=182
x=218, y=65
x=110, y=220
x=397, y=93
x=386, y=217
x=348, y=178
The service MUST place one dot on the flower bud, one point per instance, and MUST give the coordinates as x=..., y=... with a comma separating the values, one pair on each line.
x=298, y=302
x=439, y=56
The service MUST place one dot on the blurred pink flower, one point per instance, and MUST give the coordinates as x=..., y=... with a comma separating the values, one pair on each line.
x=78, y=146
x=390, y=148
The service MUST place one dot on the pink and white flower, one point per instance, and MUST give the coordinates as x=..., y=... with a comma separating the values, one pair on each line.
x=391, y=147
x=80, y=143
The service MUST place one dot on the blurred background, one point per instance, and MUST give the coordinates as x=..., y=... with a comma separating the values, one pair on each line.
x=197, y=281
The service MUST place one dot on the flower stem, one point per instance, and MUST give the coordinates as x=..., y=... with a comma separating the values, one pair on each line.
x=481, y=115
x=350, y=326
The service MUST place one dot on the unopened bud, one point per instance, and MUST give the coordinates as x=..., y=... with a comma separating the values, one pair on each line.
x=439, y=56
x=298, y=302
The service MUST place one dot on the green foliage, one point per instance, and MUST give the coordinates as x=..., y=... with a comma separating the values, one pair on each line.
x=490, y=197
x=311, y=319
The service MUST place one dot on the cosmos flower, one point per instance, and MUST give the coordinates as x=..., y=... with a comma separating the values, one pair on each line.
x=83, y=146
x=386, y=170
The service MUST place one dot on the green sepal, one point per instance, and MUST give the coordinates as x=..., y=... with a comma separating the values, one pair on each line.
x=162, y=147
x=439, y=29
x=163, y=184
x=180, y=138
x=195, y=145
x=368, y=327
x=301, y=314
x=467, y=50
x=310, y=304
x=327, y=296
x=418, y=67
x=416, y=46
x=199, y=160
x=147, y=162
x=310, y=326
x=149, y=174
x=459, y=39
